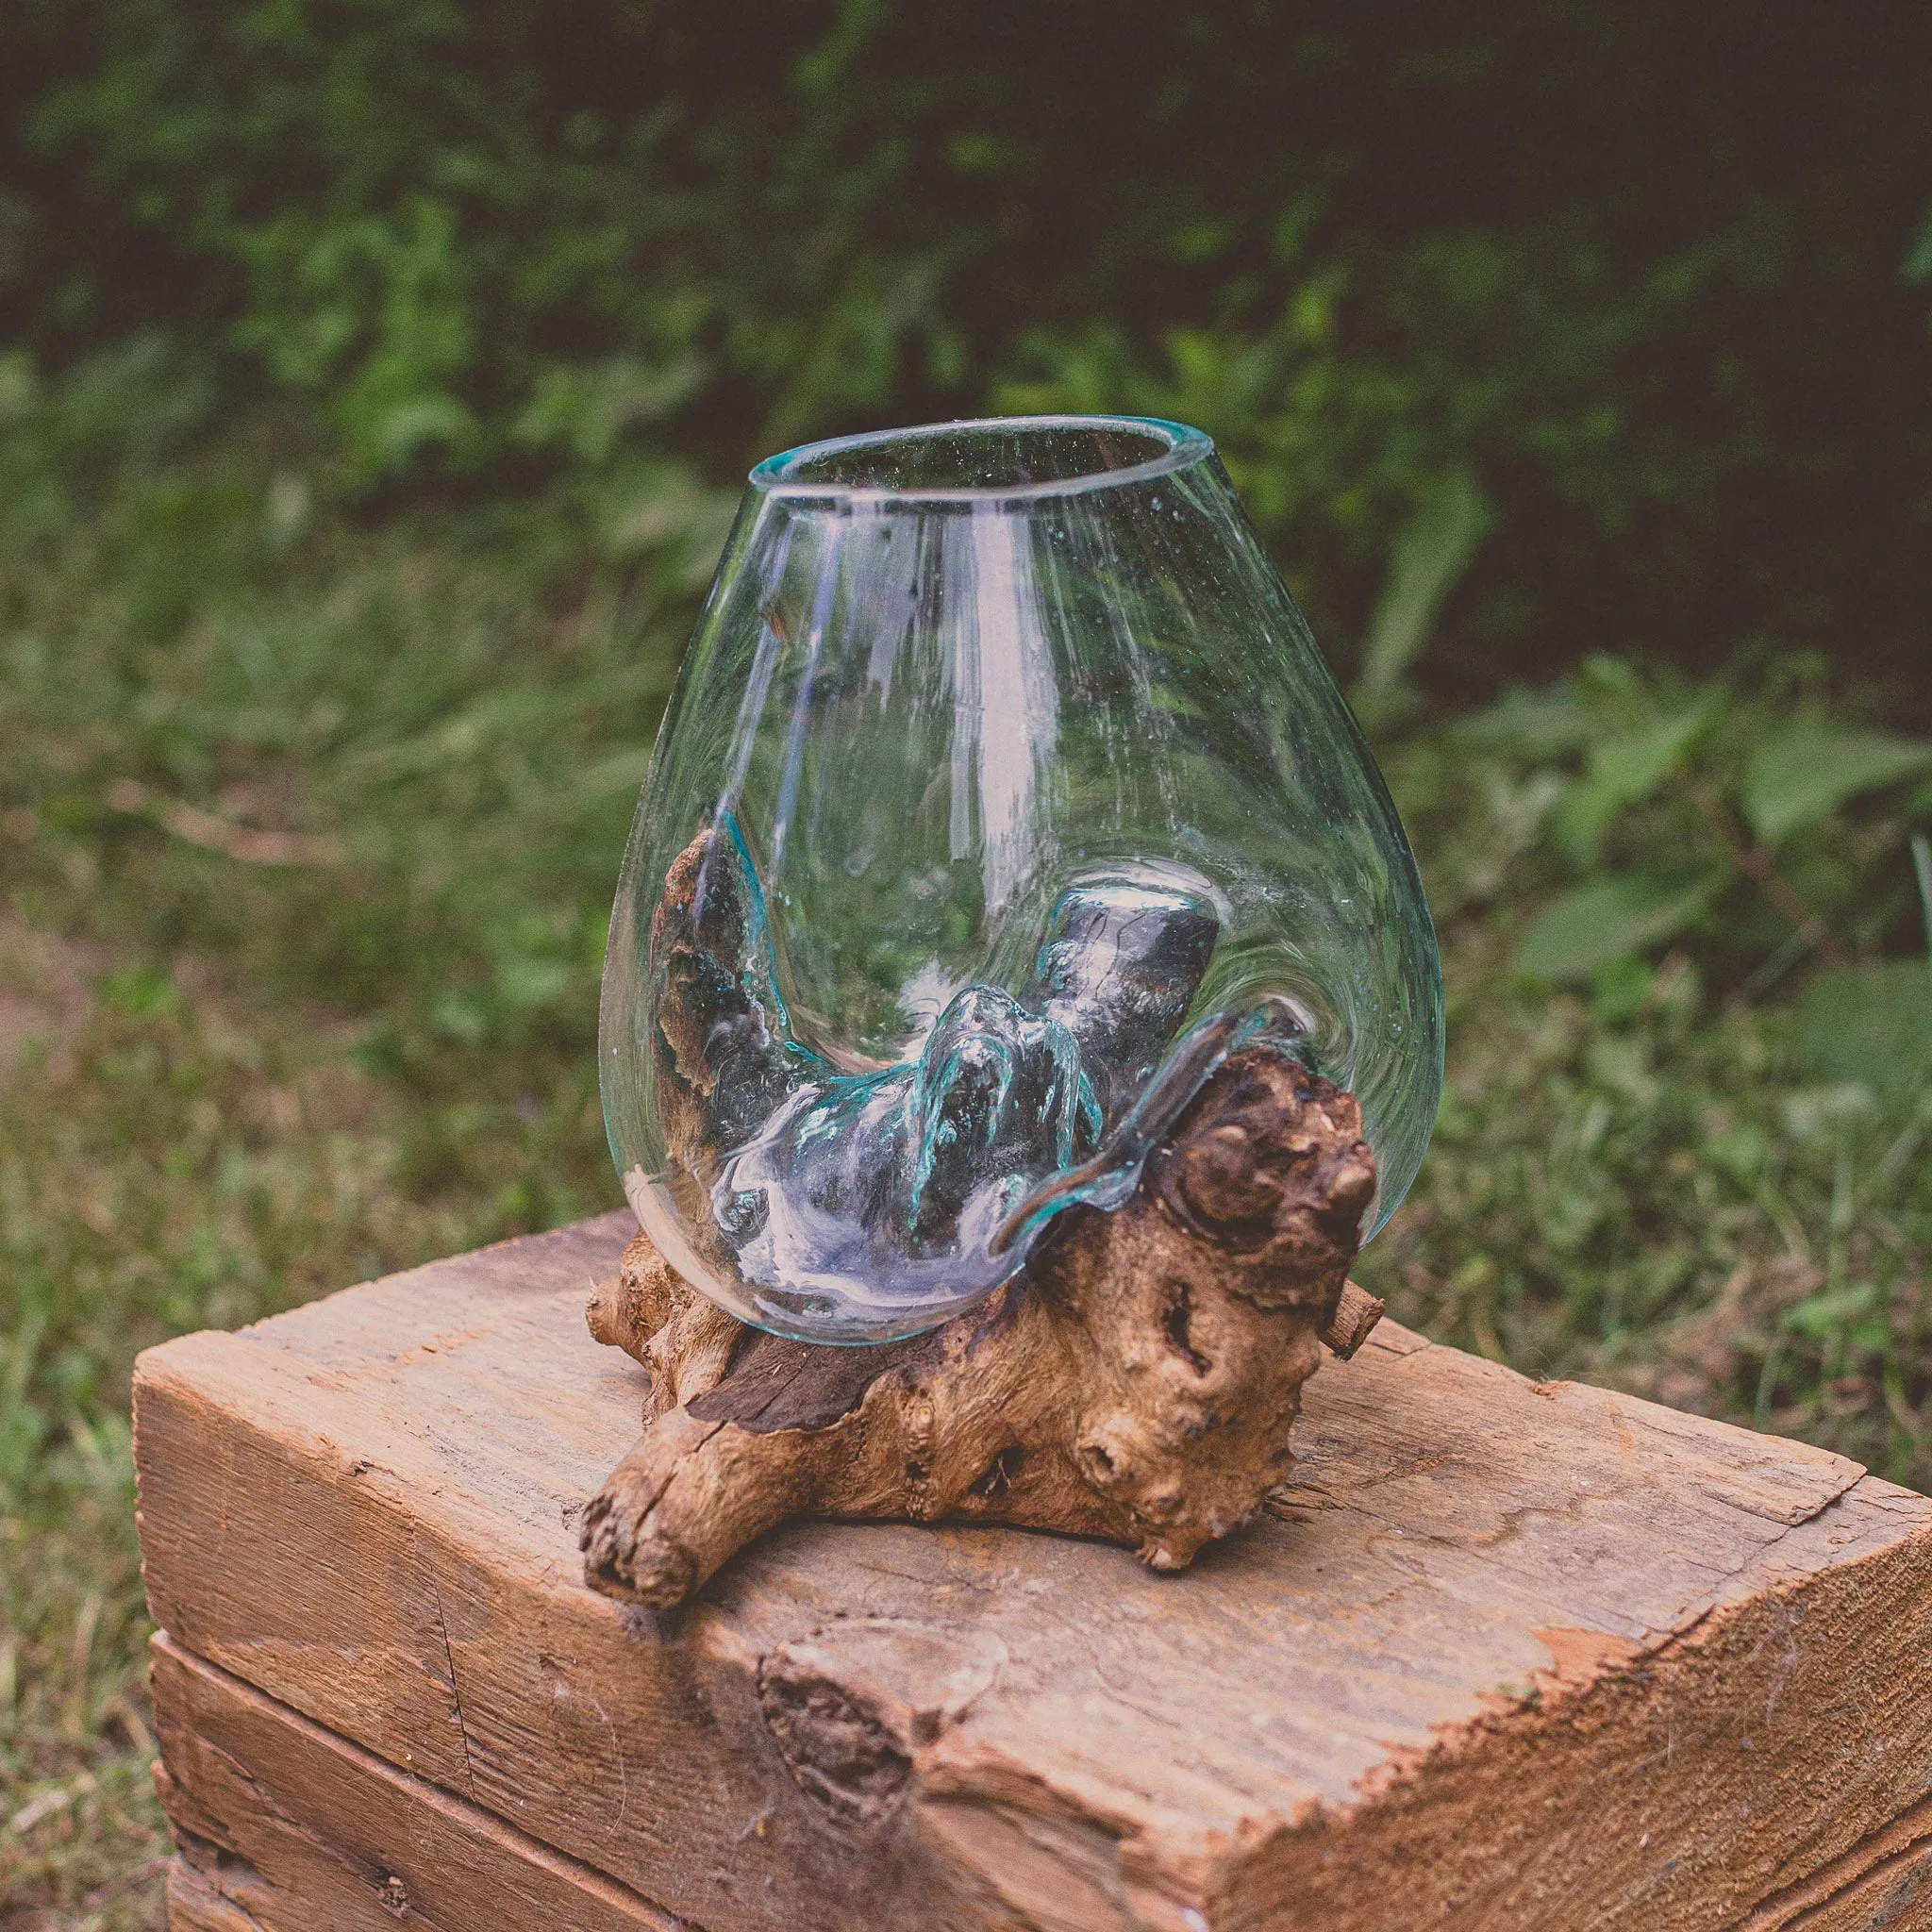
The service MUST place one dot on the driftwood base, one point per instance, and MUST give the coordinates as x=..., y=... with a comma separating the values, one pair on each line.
x=1504, y=1657
x=1136, y=1382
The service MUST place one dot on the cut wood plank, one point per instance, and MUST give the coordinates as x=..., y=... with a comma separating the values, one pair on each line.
x=296, y=1828
x=280, y=1780
x=1506, y=1656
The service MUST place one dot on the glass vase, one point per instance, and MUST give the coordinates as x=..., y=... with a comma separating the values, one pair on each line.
x=1003, y=793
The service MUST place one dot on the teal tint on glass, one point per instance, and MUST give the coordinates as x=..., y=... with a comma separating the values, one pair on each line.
x=1002, y=792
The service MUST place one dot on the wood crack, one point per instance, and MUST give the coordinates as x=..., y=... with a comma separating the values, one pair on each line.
x=212, y=1879
x=1906, y=1836
x=456, y=1695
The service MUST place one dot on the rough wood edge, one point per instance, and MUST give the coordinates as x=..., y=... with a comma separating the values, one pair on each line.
x=197, y=1903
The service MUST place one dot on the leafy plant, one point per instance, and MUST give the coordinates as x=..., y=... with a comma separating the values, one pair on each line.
x=1710, y=811
x=1528, y=395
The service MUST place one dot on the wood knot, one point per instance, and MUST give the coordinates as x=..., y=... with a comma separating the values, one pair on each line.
x=1350, y=1187
x=1218, y=1178
x=850, y=1705
x=1258, y=1140
x=838, y=1750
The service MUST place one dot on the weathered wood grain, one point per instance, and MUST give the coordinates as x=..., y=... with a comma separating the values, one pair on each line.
x=291, y=1827
x=276, y=1778
x=1884, y=1884
x=1506, y=1656
x=195, y=1904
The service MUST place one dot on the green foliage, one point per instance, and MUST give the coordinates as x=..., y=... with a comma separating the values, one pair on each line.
x=1743, y=813
x=1431, y=552
x=1611, y=919
x=438, y=220
x=1797, y=777
x=1675, y=1178
x=1870, y=1027
x=1663, y=1194
x=1702, y=1173
x=1615, y=389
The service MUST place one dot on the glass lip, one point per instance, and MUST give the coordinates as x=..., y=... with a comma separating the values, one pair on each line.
x=1186, y=446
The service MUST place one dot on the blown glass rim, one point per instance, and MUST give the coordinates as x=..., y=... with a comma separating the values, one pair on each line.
x=1186, y=446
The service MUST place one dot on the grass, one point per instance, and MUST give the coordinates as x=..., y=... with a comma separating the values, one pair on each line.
x=308, y=822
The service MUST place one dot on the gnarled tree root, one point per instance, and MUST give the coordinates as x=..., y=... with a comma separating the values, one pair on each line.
x=1135, y=1382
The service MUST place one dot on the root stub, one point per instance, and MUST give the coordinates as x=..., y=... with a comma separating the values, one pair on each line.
x=1136, y=1381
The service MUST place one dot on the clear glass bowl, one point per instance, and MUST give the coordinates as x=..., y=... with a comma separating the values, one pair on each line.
x=1003, y=792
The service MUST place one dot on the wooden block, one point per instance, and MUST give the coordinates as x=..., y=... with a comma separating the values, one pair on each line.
x=1507, y=1656
x=297, y=1829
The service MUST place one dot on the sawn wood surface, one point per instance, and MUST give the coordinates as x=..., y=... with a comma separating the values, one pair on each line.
x=1504, y=1655
x=296, y=1829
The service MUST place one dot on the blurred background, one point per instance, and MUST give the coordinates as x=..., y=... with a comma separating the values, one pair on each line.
x=377, y=377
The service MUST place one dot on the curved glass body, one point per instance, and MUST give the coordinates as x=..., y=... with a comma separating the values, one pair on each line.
x=1003, y=792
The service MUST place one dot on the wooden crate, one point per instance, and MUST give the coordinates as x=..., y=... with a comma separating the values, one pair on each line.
x=1507, y=1655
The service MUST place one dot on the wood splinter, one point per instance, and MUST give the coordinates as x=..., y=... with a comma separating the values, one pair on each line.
x=1135, y=1382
